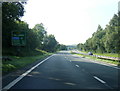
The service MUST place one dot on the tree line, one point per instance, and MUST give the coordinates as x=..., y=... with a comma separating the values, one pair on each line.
x=36, y=38
x=105, y=40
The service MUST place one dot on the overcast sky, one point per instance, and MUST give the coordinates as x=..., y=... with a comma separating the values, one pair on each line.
x=70, y=21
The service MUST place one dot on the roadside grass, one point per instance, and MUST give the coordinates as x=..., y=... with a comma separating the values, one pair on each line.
x=104, y=54
x=107, y=54
x=97, y=59
x=20, y=62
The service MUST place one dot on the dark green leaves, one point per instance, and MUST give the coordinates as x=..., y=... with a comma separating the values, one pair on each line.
x=104, y=40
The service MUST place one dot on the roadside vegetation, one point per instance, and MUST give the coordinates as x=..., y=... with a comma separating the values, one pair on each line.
x=103, y=54
x=36, y=38
x=20, y=62
x=105, y=40
x=97, y=59
x=38, y=44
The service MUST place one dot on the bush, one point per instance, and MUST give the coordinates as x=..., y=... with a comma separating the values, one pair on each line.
x=7, y=67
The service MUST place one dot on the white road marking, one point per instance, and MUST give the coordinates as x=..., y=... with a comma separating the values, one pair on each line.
x=24, y=74
x=99, y=79
x=106, y=65
x=115, y=67
x=109, y=65
x=103, y=82
x=77, y=65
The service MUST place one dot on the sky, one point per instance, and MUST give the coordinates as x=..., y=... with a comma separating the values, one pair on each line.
x=70, y=21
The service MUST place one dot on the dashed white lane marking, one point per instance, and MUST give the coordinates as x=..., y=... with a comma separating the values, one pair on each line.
x=103, y=82
x=24, y=74
x=77, y=65
x=99, y=79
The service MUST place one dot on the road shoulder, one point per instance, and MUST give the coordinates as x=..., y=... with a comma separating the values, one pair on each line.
x=6, y=79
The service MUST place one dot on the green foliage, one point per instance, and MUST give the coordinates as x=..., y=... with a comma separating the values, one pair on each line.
x=19, y=62
x=40, y=33
x=62, y=47
x=104, y=40
x=80, y=46
x=8, y=67
x=99, y=59
x=42, y=51
x=12, y=11
x=50, y=43
x=37, y=39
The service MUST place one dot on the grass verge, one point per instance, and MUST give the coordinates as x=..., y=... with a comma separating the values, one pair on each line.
x=20, y=62
x=98, y=59
x=104, y=54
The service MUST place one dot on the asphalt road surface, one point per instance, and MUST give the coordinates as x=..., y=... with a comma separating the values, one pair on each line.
x=67, y=71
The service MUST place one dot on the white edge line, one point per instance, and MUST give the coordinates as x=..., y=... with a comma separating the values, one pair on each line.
x=99, y=79
x=107, y=65
x=116, y=67
x=24, y=74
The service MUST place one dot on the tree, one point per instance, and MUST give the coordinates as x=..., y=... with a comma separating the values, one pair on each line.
x=61, y=47
x=80, y=46
x=40, y=33
x=36, y=38
x=97, y=42
x=99, y=28
x=112, y=37
x=118, y=28
x=50, y=43
x=11, y=12
x=105, y=40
